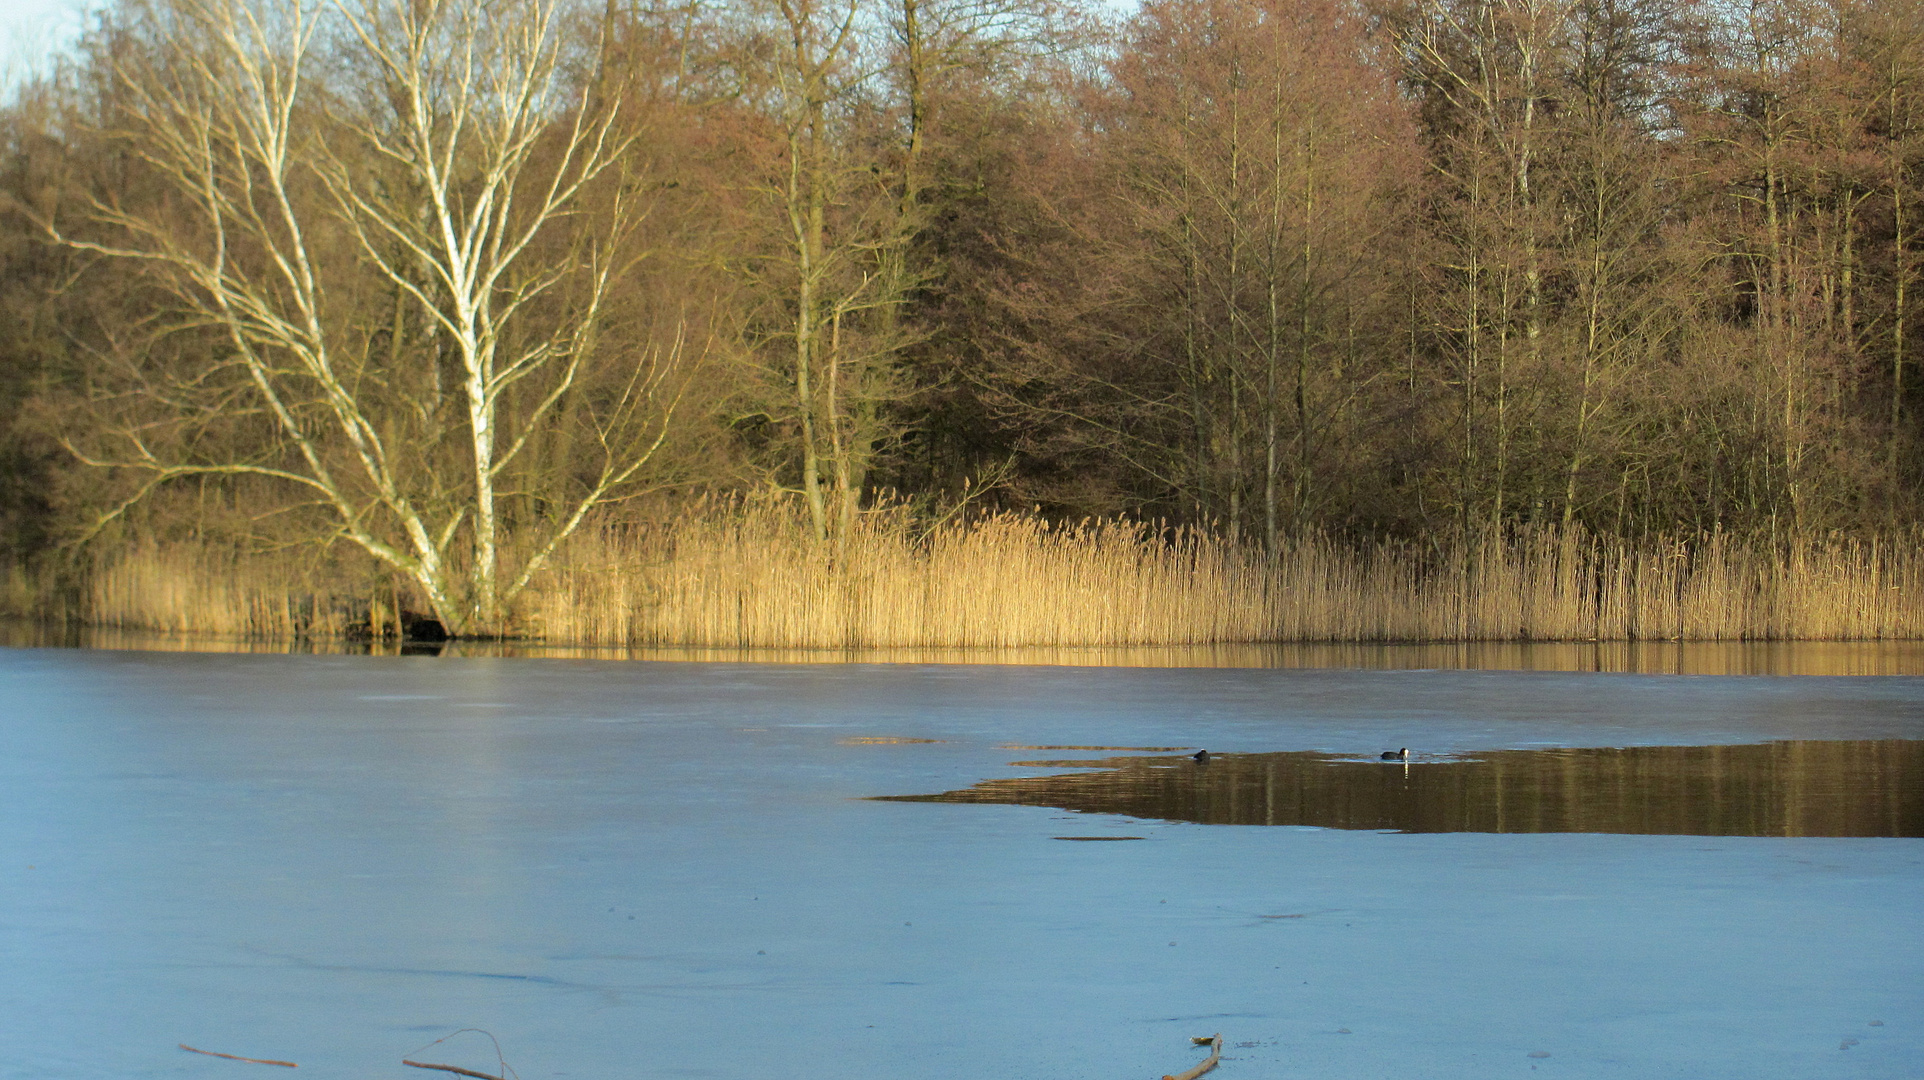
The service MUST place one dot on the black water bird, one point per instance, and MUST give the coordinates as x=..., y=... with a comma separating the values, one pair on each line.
x=1397, y=755
x=1200, y=756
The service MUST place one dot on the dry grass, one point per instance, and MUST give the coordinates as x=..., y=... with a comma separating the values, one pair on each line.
x=753, y=577
x=25, y=592
x=757, y=577
x=195, y=588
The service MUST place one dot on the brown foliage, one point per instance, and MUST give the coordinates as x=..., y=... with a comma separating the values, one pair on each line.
x=1427, y=271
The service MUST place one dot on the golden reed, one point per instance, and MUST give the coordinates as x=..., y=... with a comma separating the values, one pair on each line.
x=755, y=577
x=203, y=588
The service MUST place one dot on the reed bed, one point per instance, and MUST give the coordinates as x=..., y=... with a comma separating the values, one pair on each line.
x=209, y=589
x=757, y=578
x=760, y=578
x=754, y=577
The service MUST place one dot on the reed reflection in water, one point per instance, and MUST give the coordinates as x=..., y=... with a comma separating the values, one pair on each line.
x=1872, y=787
x=1889, y=657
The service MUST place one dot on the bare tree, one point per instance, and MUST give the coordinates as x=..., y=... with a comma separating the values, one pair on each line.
x=1263, y=148
x=1487, y=69
x=375, y=220
x=835, y=212
x=850, y=89
x=1888, y=39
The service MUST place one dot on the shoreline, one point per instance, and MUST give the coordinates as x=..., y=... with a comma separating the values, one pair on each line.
x=1887, y=656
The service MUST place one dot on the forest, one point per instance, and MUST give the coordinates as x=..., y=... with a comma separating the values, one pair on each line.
x=833, y=322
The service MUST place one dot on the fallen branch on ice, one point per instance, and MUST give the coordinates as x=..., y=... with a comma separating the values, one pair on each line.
x=458, y=1070
x=237, y=1057
x=450, y=1068
x=1208, y=1063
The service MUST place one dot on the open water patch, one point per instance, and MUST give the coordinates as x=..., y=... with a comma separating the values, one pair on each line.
x=1805, y=787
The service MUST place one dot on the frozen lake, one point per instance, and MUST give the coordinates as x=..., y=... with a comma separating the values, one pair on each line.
x=628, y=869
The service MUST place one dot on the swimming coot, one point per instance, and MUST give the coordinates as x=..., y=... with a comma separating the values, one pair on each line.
x=1397, y=755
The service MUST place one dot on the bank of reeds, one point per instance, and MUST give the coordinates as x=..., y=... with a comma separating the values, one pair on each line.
x=202, y=588
x=755, y=577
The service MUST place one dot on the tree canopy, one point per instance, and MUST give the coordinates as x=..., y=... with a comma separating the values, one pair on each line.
x=441, y=281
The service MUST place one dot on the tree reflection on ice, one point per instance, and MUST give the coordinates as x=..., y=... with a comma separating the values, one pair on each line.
x=1872, y=787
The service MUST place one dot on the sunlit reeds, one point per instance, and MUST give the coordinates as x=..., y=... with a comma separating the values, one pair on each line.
x=758, y=577
x=199, y=588
x=754, y=576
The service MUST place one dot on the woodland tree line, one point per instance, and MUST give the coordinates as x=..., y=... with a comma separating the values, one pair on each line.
x=442, y=282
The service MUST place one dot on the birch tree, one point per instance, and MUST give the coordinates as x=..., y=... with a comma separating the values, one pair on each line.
x=376, y=223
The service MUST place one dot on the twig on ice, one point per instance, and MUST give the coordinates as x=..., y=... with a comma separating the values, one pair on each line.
x=458, y=1070
x=1208, y=1063
x=450, y=1068
x=237, y=1057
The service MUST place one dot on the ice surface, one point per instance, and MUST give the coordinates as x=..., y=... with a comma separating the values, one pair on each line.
x=666, y=870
